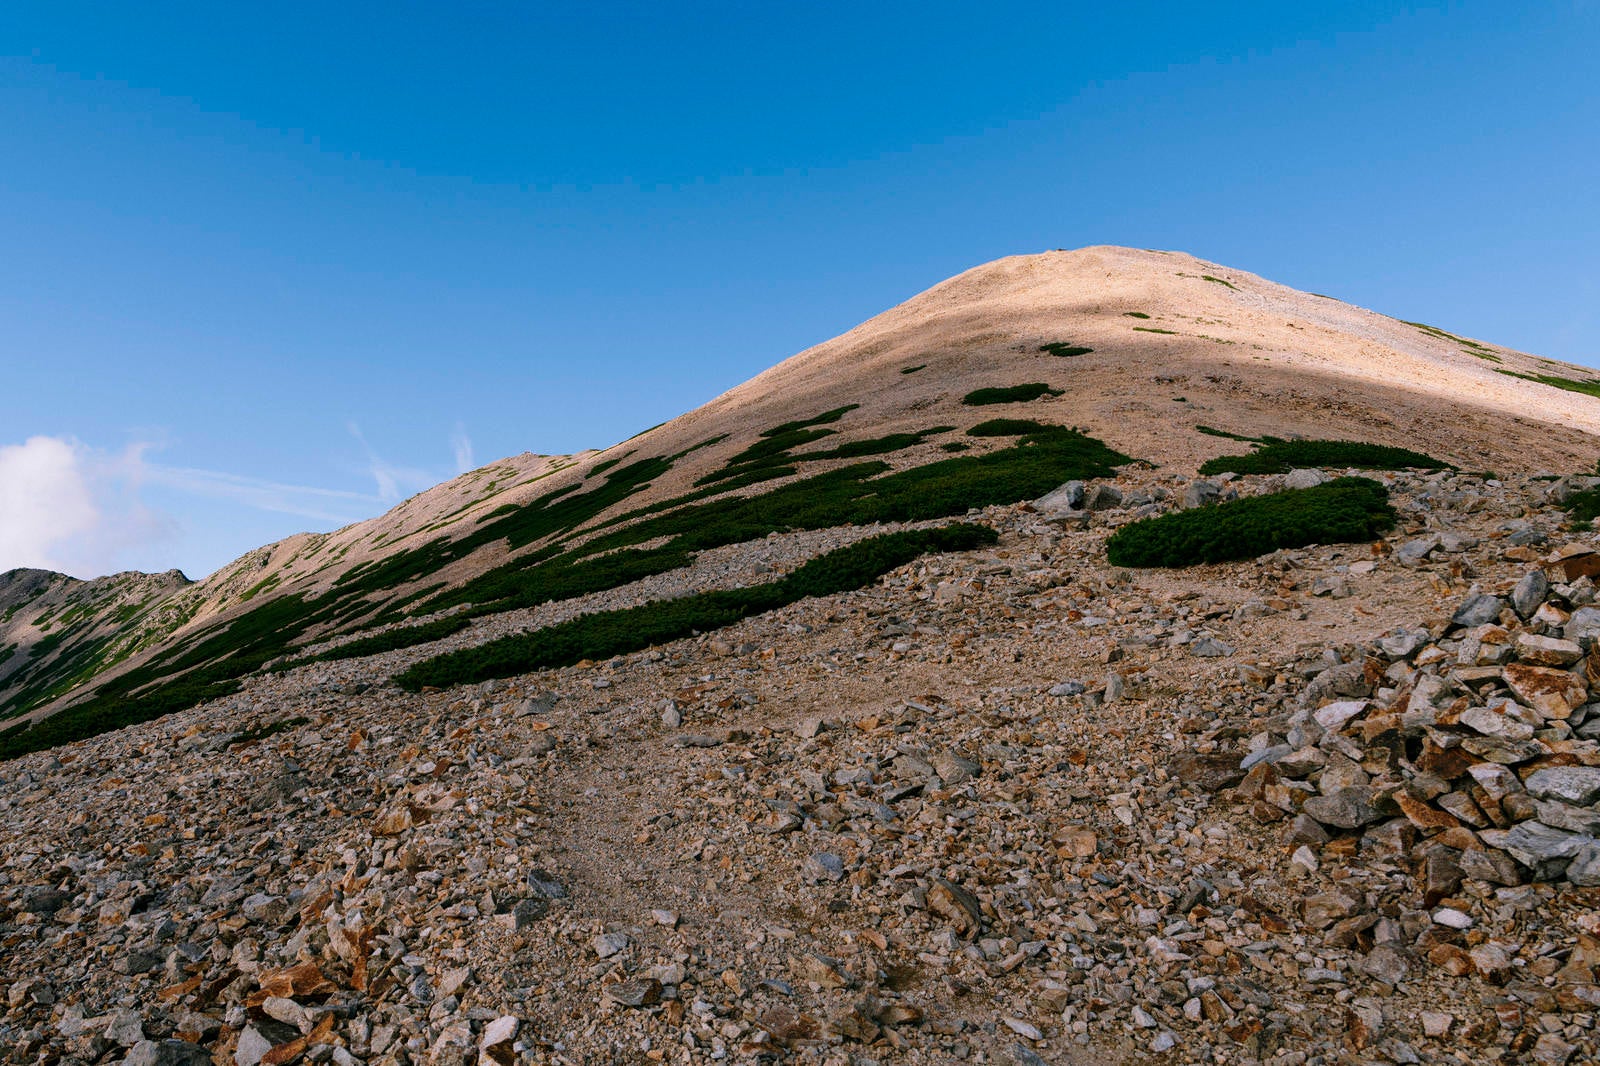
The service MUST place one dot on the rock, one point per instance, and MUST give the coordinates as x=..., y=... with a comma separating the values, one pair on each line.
x=1547, y=651
x=1554, y=693
x=1478, y=610
x=1103, y=497
x=1348, y=808
x=822, y=866
x=1542, y=849
x=1578, y=785
x=1304, y=478
x=639, y=992
x=1583, y=626
x=167, y=1053
x=1415, y=552
x=955, y=904
x=1452, y=918
x=607, y=945
x=1209, y=772
x=1584, y=870
x=1200, y=493
x=1210, y=648
x=252, y=1047
x=496, y=1047
x=820, y=970
x=1530, y=593
x=1068, y=688
x=1068, y=497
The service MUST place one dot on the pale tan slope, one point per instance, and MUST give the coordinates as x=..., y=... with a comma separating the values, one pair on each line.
x=1256, y=358
x=1240, y=354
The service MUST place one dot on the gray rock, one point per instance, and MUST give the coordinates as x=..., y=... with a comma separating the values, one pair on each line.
x=1210, y=648
x=1348, y=808
x=1478, y=610
x=1583, y=626
x=953, y=769
x=167, y=1053
x=1584, y=820
x=1068, y=688
x=608, y=944
x=823, y=866
x=1529, y=593
x=126, y=1028
x=252, y=1047
x=1584, y=870
x=1200, y=493
x=1269, y=754
x=1415, y=552
x=1539, y=847
x=1578, y=785
x=1304, y=478
x=1068, y=497
x=1103, y=497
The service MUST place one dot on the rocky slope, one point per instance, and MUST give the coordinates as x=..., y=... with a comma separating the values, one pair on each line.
x=1012, y=806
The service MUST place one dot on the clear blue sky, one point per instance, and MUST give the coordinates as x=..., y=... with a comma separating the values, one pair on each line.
x=267, y=267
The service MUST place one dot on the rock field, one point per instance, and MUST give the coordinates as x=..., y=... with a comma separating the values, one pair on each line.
x=1334, y=805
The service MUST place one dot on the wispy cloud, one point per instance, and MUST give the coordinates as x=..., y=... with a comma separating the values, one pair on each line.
x=461, y=444
x=393, y=482
x=306, y=501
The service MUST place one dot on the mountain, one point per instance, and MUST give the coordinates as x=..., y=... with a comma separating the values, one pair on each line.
x=868, y=713
x=1152, y=353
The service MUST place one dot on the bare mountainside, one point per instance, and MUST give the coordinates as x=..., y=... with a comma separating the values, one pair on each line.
x=1138, y=349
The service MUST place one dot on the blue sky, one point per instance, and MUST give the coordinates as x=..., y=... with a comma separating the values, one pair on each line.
x=273, y=267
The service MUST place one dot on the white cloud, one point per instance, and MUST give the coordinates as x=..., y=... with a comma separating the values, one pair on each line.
x=68, y=507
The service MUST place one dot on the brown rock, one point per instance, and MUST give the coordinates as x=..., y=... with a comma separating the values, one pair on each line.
x=1554, y=693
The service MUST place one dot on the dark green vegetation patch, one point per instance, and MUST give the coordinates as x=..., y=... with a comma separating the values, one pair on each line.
x=1345, y=510
x=913, y=369
x=1583, y=506
x=1134, y=314
x=1152, y=329
x=1063, y=349
x=604, y=634
x=1587, y=388
x=1281, y=456
x=1009, y=394
x=1213, y=432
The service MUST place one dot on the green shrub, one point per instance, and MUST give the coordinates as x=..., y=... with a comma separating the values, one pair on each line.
x=607, y=633
x=1134, y=314
x=1280, y=456
x=1211, y=432
x=1064, y=350
x=913, y=369
x=1009, y=394
x=1342, y=511
x=1583, y=506
x=1152, y=329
